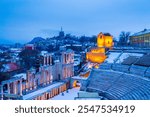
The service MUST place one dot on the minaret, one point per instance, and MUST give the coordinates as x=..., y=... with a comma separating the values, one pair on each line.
x=61, y=29
x=61, y=33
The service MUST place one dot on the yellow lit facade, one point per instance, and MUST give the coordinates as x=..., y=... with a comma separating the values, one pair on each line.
x=97, y=55
x=141, y=39
x=98, y=50
x=104, y=40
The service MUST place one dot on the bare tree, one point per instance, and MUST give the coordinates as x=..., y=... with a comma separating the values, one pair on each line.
x=124, y=38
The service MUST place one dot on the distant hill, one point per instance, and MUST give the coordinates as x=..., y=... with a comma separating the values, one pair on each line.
x=36, y=40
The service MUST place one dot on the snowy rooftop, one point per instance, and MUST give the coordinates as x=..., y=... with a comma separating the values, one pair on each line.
x=41, y=91
x=77, y=55
x=15, y=49
x=69, y=50
x=76, y=63
x=15, y=78
x=112, y=57
x=76, y=45
x=23, y=75
x=126, y=55
x=145, y=31
x=56, y=61
x=44, y=52
x=79, y=78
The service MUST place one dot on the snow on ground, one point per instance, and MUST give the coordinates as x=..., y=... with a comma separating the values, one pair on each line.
x=79, y=78
x=126, y=55
x=72, y=93
x=112, y=56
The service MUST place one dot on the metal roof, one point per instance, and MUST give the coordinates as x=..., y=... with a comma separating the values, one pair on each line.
x=145, y=31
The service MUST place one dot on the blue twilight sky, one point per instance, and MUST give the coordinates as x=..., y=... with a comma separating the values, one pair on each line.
x=21, y=20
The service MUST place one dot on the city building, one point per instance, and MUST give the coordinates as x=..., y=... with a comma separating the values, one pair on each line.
x=50, y=79
x=97, y=54
x=141, y=39
x=29, y=47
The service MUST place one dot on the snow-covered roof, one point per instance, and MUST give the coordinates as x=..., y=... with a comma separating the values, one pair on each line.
x=112, y=57
x=56, y=61
x=76, y=45
x=126, y=55
x=145, y=31
x=69, y=50
x=15, y=78
x=29, y=44
x=79, y=78
x=10, y=67
x=44, y=52
x=16, y=49
x=76, y=63
x=22, y=75
x=77, y=55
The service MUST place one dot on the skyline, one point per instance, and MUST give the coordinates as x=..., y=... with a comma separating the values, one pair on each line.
x=22, y=20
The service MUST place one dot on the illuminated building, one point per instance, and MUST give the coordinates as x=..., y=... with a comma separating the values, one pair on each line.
x=97, y=55
x=51, y=79
x=141, y=39
x=104, y=40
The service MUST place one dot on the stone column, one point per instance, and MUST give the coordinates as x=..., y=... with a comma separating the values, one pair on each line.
x=49, y=95
x=14, y=87
x=31, y=83
x=50, y=60
x=47, y=76
x=28, y=81
x=63, y=59
x=8, y=88
x=69, y=58
x=2, y=92
x=26, y=85
x=44, y=60
x=51, y=78
x=34, y=83
x=44, y=79
x=20, y=87
x=47, y=60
